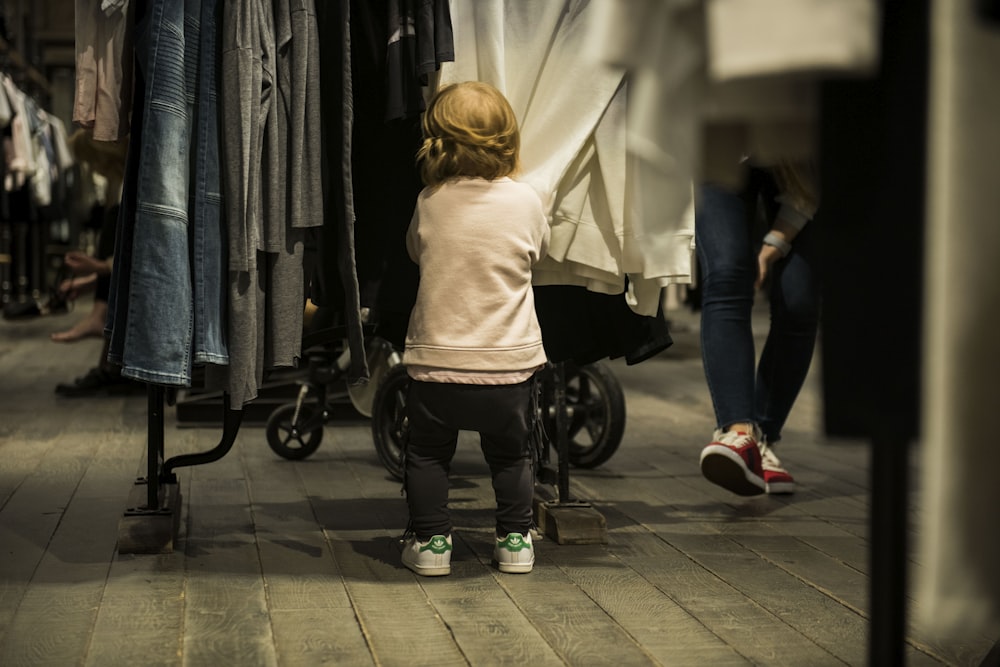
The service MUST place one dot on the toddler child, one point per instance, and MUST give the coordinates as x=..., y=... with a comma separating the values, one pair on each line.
x=473, y=344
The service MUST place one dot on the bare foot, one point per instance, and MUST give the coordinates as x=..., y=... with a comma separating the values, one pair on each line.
x=91, y=326
x=82, y=329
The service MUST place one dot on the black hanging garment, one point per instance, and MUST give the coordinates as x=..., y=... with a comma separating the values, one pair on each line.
x=583, y=326
x=372, y=179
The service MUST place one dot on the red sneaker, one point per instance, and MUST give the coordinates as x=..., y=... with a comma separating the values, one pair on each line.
x=776, y=478
x=733, y=461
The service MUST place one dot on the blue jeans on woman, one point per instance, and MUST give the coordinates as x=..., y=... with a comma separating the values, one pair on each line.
x=728, y=240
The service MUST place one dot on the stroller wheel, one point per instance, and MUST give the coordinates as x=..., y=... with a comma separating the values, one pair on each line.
x=595, y=404
x=293, y=438
x=389, y=423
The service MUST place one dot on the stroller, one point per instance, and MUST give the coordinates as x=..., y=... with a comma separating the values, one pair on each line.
x=592, y=398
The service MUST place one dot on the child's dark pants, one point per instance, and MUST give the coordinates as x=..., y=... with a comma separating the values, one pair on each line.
x=502, y=414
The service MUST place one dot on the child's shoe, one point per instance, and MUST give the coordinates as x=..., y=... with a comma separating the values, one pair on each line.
x=428, y=559
x=514, y=553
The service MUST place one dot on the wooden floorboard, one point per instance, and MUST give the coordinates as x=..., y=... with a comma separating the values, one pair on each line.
x=296, y=563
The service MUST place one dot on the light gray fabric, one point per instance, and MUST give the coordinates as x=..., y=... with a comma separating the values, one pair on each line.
x=291, y=174
x=270, y=99
x=959, y=582
x=240, y=84
x=280, y=170
x=298, y=103
x=285, y=303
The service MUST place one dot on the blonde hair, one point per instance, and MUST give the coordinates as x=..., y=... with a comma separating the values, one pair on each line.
x=469, y=130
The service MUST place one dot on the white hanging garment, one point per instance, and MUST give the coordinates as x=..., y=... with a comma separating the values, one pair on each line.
x=571, y=109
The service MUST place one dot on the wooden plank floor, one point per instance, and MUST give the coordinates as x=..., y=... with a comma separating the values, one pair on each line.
x=295, y=563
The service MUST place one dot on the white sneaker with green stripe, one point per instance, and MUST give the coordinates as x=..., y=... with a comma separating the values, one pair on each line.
x=514, y=553
x=428, y=559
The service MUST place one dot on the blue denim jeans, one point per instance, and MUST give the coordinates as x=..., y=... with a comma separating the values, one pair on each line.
x=743, y=389
x=209, y=266
x=170, y=235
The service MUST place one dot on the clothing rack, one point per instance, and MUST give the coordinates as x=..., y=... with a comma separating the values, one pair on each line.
x=150, y=523
x=565, y=519
x=26, y=259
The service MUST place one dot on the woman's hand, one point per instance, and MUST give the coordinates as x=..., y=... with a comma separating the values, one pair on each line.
x=768, y=257
x=72, y=288
x=781, y=234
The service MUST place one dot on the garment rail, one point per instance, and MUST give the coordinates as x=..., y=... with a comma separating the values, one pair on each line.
x=149, y=524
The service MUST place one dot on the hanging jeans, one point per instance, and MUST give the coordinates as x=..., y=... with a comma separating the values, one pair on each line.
x=169, y=235
x=208, y=256
x=742, y=390
x=502, y=416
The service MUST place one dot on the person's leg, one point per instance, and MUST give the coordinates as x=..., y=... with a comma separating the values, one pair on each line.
x=91, y=326
x=727, y=266
x=728, y=269
x=431, y=447
x=506, y=446
x=505, y=438
x=788, y=351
